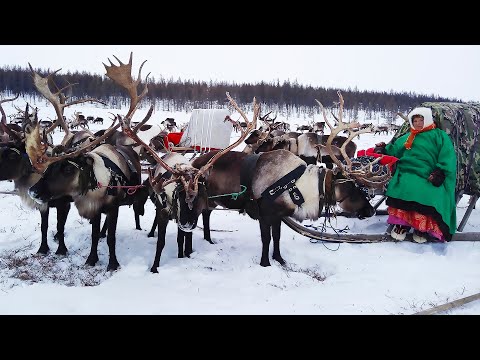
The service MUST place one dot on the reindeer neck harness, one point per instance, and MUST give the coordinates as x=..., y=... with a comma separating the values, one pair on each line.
x=117, y=176
x=288, y=182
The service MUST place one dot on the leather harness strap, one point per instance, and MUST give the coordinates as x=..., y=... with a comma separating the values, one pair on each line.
x=287, y=182
x=247, y=170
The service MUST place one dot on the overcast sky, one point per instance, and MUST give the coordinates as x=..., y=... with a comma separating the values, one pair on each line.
x=445, y=70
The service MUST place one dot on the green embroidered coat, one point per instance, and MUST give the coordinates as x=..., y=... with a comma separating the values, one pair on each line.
x=431, y=149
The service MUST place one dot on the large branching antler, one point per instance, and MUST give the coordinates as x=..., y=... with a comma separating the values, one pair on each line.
x=363, y=175
x=122, y=75
x=57, y=98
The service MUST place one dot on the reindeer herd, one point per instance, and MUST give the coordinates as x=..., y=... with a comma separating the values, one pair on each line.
x=278, y=174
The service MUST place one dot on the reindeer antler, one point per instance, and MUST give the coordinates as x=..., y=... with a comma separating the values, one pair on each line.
x=36, y=145
x=362, y=175
x=122, y=75
x=57, y=99
x=3, y=122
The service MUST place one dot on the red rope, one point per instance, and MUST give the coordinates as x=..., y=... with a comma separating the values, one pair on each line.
x=131, y=189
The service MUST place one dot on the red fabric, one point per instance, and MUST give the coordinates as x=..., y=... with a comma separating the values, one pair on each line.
x=174, y=138
x=421, y=222
x=386, y=159
x=413, y=132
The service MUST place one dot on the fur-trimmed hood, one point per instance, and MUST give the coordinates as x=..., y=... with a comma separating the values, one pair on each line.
x=425, y=112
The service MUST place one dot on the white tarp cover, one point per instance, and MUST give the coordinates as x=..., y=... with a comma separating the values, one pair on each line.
x=207, y=130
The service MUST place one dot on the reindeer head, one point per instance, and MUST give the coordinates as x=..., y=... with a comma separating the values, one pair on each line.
x=64, y=177
x=14, y=162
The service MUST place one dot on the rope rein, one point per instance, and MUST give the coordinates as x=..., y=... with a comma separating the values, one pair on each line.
x=234, y=195
x=131, y=189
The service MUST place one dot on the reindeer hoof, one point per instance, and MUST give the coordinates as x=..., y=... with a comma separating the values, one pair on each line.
x=91, y=260
x=138, y=228
x=102, y=235
x=43, y=250
x=150, y=235
x=113, y=265
x=210, y=241
x=154, y=270
x=279, y=259
x=265, y=263
x=61, y=251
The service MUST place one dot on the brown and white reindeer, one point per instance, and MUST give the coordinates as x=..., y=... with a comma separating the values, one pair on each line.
x=180, y=190
x=278, y=184
x=15, y=166
x=96, y=179
x=73, y=140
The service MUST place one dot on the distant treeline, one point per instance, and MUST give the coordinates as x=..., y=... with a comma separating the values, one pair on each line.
x=179, y=95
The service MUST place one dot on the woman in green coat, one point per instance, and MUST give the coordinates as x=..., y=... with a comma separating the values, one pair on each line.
x=421, y=193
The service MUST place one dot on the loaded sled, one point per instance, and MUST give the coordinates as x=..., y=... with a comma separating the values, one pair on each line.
x=206, y=130
x=461, y=121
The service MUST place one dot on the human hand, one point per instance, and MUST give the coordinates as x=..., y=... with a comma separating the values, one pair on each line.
x=437, y=177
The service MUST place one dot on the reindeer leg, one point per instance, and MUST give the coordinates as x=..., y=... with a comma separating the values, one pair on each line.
x=138, y=209
x=276, y=226
x=180, y=242
x=206, y=225
x=162, y=220
x=188, y=244
x=93, y=256
x=154, y=225
x=137, y=220
x=265, y=231
x=111, y=240
x=62, y=212
x=44, y=228
x=103, y=232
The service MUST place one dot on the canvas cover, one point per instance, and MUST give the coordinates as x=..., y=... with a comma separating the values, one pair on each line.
x=207, y=130
x=461, y=121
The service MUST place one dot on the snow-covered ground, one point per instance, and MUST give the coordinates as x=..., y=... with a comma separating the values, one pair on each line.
x=226, y=278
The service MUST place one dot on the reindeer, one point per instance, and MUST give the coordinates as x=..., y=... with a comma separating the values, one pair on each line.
x=15, y=166
x=98, y=120
x=96, y=179
x=306, y=145
x=267, y=177
x=180, y=192
x=307, y=128
x=380, y=130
